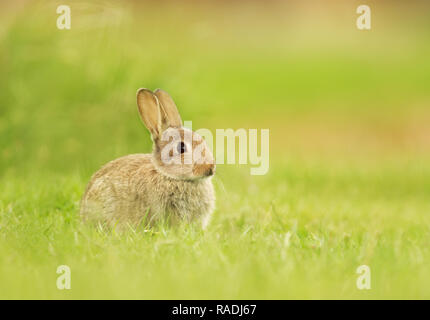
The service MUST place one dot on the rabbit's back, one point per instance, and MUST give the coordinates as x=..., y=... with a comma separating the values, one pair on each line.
x=130, y=190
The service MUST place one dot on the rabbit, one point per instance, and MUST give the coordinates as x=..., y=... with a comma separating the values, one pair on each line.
x=172, y=184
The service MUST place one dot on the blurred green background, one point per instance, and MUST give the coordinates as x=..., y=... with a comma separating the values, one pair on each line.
x=348, y=113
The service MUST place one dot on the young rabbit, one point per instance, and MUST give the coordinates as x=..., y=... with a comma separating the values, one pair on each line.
x=171, y=184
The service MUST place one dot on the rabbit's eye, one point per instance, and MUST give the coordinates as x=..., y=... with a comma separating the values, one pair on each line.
x=181, y=147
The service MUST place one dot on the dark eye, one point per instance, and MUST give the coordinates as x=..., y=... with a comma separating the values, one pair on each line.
x=181, y=147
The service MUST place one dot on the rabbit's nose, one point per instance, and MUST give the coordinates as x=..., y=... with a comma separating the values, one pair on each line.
x=210, y=171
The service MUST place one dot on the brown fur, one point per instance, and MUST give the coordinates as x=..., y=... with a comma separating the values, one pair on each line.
x=142, y=188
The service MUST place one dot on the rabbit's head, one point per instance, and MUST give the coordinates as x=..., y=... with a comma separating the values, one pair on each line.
x=178, y=152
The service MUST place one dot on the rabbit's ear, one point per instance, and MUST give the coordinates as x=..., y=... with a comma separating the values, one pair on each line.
x=149, y=109
x=169, y=107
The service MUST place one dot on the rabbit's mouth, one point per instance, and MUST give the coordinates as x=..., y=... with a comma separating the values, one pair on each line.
x=204, y=170
x=210, y=172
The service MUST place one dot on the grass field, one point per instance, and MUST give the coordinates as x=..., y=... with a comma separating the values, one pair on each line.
x=348, y=113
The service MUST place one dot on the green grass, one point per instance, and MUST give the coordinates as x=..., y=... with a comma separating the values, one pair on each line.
x=299, y=232
x=349, y=178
